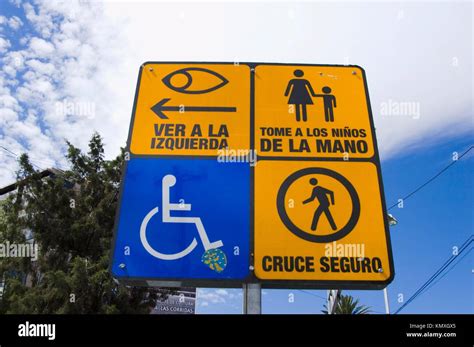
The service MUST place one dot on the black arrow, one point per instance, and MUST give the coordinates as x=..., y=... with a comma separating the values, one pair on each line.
x=159, y=108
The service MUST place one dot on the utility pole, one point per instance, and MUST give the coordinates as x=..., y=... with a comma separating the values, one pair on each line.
x=252, y=293
x=333, y=299
x=392, y=221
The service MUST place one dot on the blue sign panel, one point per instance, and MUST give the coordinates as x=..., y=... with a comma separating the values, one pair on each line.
x=183, y=219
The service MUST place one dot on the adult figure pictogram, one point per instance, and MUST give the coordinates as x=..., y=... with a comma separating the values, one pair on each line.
x=300, y=92
x=321, y=194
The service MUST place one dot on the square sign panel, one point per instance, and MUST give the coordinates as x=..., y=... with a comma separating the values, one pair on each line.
x=191, y=109
x=312, y=111
x=252, y=172
x=320, y=222
x=183, y=220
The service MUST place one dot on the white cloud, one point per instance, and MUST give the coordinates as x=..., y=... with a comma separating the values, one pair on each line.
x=41, y=48
x=15, y=23
x=209, y=296
x=17, y=3
x=221, y=300
x=68, y=59
x=4, y=45
x=43, y=19
x=40, y=67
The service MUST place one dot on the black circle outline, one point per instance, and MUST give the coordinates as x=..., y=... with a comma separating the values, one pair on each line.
x=186, y=85
x=303, y=234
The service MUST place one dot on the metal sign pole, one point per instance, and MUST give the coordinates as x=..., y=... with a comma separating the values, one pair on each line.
x=385, y=295
x=252, y=293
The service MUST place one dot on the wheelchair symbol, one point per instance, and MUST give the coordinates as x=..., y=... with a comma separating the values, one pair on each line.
x=168, y=182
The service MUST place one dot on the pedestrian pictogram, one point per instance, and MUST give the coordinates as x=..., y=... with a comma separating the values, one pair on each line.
x=318, y=212
x=321, y=194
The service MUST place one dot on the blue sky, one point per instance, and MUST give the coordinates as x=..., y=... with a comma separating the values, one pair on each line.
x=88, y=53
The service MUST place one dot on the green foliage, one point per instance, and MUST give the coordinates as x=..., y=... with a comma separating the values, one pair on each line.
x=348, y=305
x=72, y=217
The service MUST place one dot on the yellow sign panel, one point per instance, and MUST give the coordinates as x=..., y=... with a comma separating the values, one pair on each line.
x=191, y=109
x=312, y=111
x=320, y=221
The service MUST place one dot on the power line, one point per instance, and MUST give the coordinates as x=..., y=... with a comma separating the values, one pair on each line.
x=432, y=178
x=445, y=265
x=423, y=288
x=447, y=271
x=7, y=150
x=309, y=293
x=16, y=156
x=437, y=273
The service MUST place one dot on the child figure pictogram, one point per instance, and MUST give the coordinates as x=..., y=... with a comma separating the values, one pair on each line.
x=329, y=101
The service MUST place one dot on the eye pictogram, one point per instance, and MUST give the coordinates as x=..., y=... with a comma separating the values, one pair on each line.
x=194, y=80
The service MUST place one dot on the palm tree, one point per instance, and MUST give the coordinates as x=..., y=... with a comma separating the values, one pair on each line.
x=348, y=305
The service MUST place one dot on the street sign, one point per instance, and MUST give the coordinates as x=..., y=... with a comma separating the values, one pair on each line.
x=191, y=109
x=312, y=111
x=181, y=302
x=324, y=220
x=251, y=172
x=180, y=219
